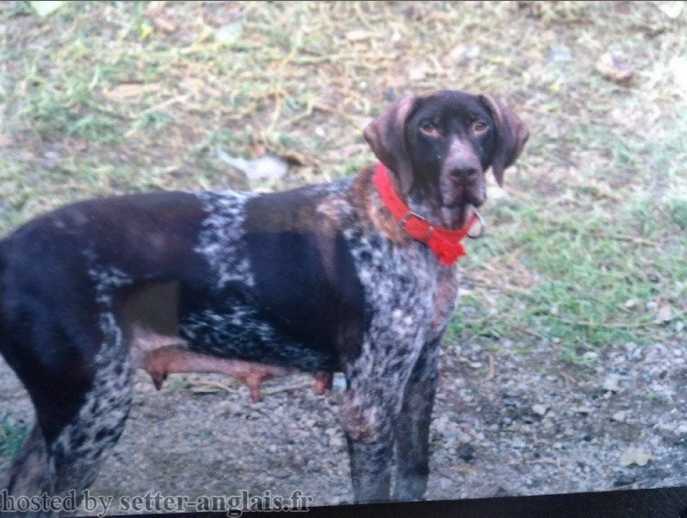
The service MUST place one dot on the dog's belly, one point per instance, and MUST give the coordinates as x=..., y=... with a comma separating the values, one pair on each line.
x=241, y=331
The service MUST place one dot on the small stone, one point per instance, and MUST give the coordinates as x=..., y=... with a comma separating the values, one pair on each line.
x=337, y=442
x=338, y=382
x=501, y=492
x=265, y=169
x=445, y=484
x=466, y=452
x=635, y=455
x=665, y=314
x=229, y=408
x=590, y=356
x=390, y=95
x=229, y=34
x=298, y=460
x=614, y=68
x=624, y=479
x=612, y=383
x=620, y=416
x=418, y=72
x=559, y=54
x=671, y=9
x=443, y=424
x=357, y=35
x=540, y=409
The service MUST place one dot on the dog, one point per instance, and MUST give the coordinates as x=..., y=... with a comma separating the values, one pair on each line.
x=355, y=276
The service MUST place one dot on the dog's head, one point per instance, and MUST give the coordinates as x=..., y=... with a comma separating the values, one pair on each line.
x=439, y=147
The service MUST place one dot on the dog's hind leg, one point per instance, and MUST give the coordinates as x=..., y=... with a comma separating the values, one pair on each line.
x=81, y=446
x=82, y=401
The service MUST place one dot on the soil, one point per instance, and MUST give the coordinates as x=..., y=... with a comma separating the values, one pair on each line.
x=510, y=419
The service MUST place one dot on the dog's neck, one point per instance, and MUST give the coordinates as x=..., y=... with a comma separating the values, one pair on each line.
x=402, y=222
x=421, y=205
x=374, y=209
x=370, y=207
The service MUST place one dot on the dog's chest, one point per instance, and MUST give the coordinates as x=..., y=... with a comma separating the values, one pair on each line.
x=405, y=286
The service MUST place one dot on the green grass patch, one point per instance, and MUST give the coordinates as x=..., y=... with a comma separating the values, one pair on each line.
x=592, y=279
x=12, y=435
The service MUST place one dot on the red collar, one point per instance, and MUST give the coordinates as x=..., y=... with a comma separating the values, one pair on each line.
x=444, y=242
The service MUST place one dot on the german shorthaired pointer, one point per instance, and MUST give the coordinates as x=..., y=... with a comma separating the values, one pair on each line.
x=355, y=276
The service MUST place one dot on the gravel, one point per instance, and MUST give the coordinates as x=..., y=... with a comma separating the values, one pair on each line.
x=505, y=423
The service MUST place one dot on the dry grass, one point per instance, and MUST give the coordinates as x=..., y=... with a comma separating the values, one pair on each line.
x=586, y=250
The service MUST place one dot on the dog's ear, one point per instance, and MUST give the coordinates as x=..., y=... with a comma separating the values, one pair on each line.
x=511, y=136
x=386, y=137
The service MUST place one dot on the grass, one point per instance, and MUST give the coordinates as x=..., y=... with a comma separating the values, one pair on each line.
x=587, y=249
x=12, y=435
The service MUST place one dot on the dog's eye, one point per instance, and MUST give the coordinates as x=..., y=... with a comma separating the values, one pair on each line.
x=480, y=127
x=430, y=129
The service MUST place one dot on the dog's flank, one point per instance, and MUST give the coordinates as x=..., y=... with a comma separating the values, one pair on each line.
x=318, y=279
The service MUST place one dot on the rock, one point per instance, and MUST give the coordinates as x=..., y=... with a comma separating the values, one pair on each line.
x=229, y=34
x=501, y=492
x=620, y=416
x=298, y=460
x=671, y=9
x=46, y=7
x=265, y=169
x=664, y=314
x=390, y=94
x=230, y=408
x=612, y=383
x=559, y=54
x=614, y=68
x=445, y=484
x=357, y=35
x=337, y=442
x=590, y=356
x=418, y=72
x=624, y=479
x=635, y=455
x=540, y=410
x=461, y=54
x=443, y=424
x=466, y=452
x=338, y=382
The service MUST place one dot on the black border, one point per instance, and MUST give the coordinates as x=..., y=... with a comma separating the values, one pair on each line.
x=641, y=503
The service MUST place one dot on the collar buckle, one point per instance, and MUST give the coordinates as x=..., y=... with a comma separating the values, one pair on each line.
x=411, y=214
x=481, y=225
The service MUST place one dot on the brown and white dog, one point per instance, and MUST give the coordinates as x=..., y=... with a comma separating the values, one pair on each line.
x=321, y=279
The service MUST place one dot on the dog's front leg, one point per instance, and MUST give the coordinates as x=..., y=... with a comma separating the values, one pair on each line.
x=412, y=426
x=370, y=409
x=367, y=423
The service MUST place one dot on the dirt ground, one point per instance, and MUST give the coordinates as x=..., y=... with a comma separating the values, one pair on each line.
x=501, y=427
